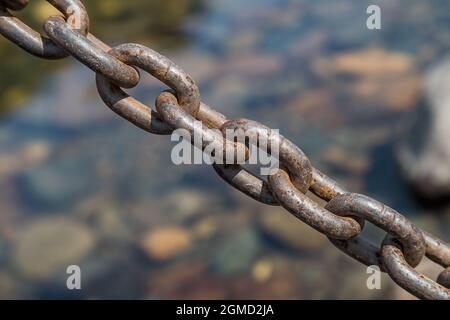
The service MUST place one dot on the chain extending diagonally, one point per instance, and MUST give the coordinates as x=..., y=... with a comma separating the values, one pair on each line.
x=342, y=219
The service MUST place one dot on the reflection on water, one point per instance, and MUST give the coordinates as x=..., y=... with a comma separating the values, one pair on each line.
x=80, y=186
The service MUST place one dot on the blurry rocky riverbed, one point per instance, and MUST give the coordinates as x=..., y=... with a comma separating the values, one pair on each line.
x=81, y=186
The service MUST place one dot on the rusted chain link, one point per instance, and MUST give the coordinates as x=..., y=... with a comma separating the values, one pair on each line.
x=389, y=220
x=32, y=41
x=343, y=217
x=401, y=272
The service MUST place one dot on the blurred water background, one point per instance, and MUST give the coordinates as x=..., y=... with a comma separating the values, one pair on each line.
x=81, y=186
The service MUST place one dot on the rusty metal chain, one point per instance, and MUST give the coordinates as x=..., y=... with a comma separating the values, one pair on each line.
x=341, y=220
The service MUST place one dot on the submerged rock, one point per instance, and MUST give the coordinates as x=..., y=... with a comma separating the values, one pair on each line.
x=28, y=156
x=8, y=286
x=262, y=270
x=341, y=159
x=292, y=233
x=372, y=62
x=237, y=253
x=57, y=184
x=185, y=205
x=384, y=82
x=102, y=277
x=424, y=151
x=166, y=243
x=46, y=248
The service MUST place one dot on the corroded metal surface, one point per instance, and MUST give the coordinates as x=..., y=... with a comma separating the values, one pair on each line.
x=385, y=218
x=325, y=187
x=131, y=109
x=437, y=250
x=342, y=219
x=164, y=70
x=310, y=211
x=290, y=156
x=85, y=51
x=12, y=28
x=171, y=112
x=405, y=276
x=246, y=182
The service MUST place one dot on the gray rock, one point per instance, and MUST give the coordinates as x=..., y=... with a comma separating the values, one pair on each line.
x=44, y=249
x=290, y=232
x=237, y=253
x=105, y=274
x=424, y=150
x=57, y=184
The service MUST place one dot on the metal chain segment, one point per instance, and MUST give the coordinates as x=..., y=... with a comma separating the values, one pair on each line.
x=404, y=275
x=342, y=219
x=169, y=109
x=162, y=69
x=85, y=51
x=389, y=220
x=324, y=187
x=311, y=212
x=290, y=156
x=32, y=41
x=437, y=250
x=414, y=240
x=246, y=182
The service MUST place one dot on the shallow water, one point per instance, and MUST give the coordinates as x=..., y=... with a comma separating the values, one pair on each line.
x=81, y=186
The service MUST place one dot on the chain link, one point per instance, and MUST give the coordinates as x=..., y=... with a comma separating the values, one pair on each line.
x=343, y=217
x=32, y=41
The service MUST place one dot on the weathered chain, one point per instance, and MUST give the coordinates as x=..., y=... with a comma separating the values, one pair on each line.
x=341, y=220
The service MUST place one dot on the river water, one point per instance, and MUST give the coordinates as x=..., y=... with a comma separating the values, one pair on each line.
x=81, y=186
